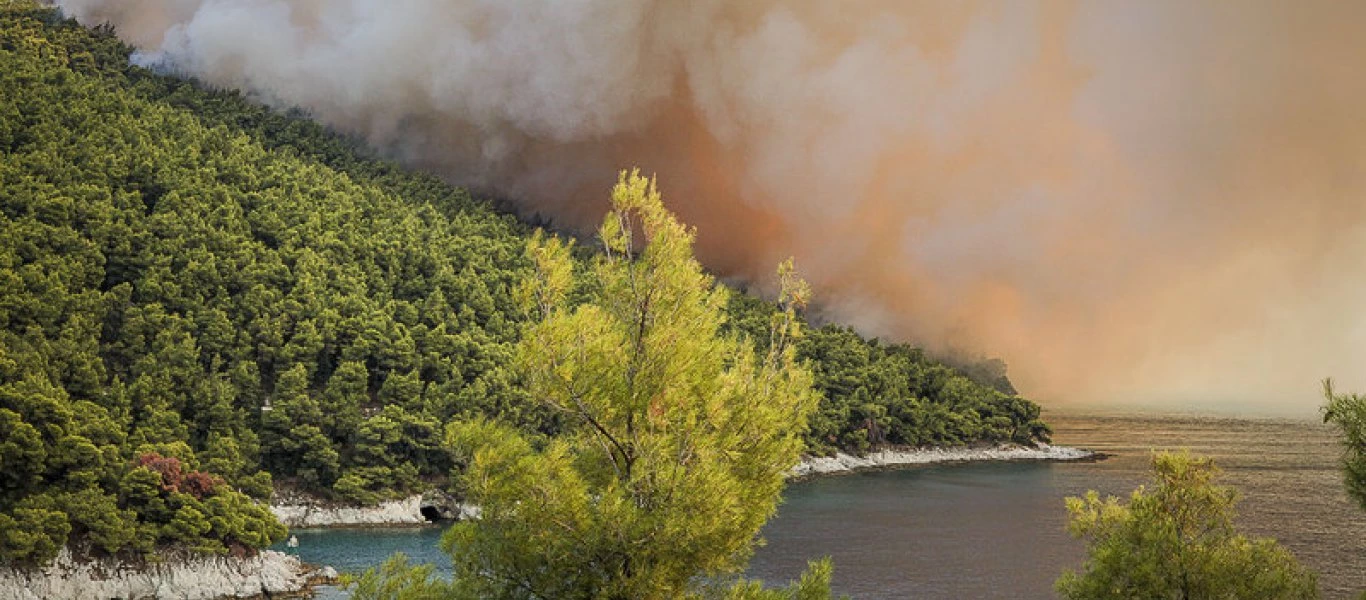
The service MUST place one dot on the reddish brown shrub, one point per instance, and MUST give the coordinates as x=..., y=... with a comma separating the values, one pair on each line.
x=168, y=466
x=175, y=479
x=200, y=484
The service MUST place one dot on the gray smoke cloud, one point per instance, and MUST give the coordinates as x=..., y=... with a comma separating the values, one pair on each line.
x=1157, y=202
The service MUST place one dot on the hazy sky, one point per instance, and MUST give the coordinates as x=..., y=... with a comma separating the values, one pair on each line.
x=1158, y=202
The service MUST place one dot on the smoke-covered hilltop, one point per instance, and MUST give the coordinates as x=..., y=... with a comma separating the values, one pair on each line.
x=1126, y=200
x=203, y=301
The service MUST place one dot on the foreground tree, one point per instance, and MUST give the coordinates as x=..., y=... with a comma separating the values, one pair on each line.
x=676, y=439
x=1177, y=540
x=1348, y=413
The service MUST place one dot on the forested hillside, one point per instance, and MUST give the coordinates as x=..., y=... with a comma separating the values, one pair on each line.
x=202, y=298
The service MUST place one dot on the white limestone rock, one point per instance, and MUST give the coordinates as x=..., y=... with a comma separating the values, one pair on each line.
x=189, y=578
x=844, y=463
x=301, y=512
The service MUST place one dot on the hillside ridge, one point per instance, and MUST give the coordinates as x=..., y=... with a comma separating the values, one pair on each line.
x=202, y=297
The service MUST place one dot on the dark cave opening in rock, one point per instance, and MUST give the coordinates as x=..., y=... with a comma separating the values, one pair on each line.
x=431, y=514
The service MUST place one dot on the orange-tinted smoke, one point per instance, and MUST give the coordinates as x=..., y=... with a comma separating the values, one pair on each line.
x=1133, y=203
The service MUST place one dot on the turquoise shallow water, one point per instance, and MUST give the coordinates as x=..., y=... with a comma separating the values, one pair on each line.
x=996, y=530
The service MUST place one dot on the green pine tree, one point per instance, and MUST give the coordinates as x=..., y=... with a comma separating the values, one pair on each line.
x=1176, y=540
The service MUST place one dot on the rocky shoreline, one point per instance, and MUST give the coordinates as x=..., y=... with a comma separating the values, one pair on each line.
x=301, y=511
x=272, y=574
x=841, y=463
x=269, y=574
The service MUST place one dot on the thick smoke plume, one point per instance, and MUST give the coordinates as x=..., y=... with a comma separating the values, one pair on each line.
x=1132, y=202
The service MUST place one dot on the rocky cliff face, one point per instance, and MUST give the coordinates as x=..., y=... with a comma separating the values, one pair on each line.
x=191, y=578
x=305, y=513
x=300, y=511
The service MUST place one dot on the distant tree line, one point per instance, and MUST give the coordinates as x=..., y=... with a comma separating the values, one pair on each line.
x=877, y=394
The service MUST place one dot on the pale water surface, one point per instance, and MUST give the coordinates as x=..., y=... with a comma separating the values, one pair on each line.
x=996, y=530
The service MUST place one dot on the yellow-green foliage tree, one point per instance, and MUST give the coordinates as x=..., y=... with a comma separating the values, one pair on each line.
x=1176, y=540
x=677, y=436
x=1348, y=413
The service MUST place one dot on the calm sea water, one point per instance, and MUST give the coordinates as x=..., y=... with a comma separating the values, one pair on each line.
x=996, y=530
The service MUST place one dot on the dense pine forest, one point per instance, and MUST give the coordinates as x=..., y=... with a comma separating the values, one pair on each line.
x=203, y=299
